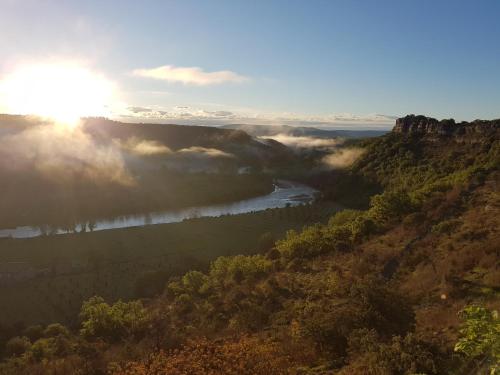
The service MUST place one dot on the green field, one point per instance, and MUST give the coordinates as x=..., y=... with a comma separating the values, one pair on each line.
x=131, y=262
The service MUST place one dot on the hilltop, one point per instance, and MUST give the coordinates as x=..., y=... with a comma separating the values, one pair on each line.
x=302, y=131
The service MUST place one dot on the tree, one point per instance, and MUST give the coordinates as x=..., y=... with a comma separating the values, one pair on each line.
x=55, y=330
x=390, y=206
x=480, y=336
x=112, y=322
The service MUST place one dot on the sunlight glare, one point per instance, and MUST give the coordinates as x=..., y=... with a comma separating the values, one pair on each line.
x=63, y=92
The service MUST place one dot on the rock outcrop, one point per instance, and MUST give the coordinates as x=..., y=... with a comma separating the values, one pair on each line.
x=422, y=125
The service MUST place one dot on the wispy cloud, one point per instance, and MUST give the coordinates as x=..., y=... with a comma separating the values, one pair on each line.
x=304, y=142
x=342, y=158
x=198, y=116
x=190, y=75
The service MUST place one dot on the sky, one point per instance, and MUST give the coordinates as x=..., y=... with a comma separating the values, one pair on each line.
x=325, y=63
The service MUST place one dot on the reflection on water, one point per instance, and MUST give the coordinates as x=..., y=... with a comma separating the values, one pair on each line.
x=286, y=193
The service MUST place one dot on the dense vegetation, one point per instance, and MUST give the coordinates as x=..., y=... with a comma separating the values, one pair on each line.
x=63, y=271
x=407, y=285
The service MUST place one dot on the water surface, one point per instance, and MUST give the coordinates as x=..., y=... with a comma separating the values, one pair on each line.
x=286, y=193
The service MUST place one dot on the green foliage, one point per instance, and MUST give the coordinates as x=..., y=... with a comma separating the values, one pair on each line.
x=225, y=270
x=343, y=230
x=310, y=242
x=405, y=355
x=344, y=217
x=330, y=319
x=55, y=329
x=193, y=281
x=112, y=322
x=390, y=206
x=480, y=336
x=43, y=348
x=446, y=226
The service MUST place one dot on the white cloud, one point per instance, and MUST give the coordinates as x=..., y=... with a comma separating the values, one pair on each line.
x=185, y=115
x=304, y=142
x=342, y=158
x=190, y=75
x=202, y=152
x=144, y=147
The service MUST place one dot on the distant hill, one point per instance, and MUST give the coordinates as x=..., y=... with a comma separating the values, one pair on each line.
x=175, y=137
x=106, y=168
x=302, y=131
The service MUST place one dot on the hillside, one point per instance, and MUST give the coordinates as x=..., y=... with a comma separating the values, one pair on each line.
x=377, y=290
x=61, y=176
x=301, y=131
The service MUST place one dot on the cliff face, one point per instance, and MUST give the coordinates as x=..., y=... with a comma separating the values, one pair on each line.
x=421, y=125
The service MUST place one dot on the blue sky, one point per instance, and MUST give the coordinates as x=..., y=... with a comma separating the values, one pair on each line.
x=299, y=62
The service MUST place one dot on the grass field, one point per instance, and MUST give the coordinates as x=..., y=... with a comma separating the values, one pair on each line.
x=124, y=263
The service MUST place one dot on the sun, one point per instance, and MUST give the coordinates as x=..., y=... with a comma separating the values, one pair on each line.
x=63, y=92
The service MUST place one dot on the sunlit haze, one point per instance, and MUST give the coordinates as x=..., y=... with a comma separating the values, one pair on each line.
x=331, y=64
x=63, y=92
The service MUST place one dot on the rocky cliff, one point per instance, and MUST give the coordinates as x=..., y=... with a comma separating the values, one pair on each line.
x=422, y=125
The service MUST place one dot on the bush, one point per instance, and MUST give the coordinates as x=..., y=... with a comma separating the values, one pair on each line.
x=480, y=336
x=344, y=217
x=369, y=303
x=400, y=356
x=227, y=270
x=56, y=329
x=446, y=226
x=244, y=356
x=43, y=349
x=390, y=206
x=310, y=242
x=112, y=322
x=193, y=281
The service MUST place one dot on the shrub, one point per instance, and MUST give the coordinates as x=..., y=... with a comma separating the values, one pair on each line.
x=310, y=242
x=390, y=206
x=480, y=336
x=193, y=281
x=54, y=330
x=400, y=356
x=244, y=356
x=112, y=322
x=344, y=217
x=226, y=270
x=446, y=226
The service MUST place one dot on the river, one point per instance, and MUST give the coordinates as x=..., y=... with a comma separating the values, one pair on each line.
x=286, y=193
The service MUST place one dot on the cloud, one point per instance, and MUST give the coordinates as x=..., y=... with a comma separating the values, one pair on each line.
x=144, y=147
x=304, y=142
x=185, y=115
x=342, y=158
x=202, y=152
x=139, y=109
x=190, y=75
x=57, y=152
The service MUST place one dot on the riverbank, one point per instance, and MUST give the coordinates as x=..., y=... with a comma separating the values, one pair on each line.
x=285, y=193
